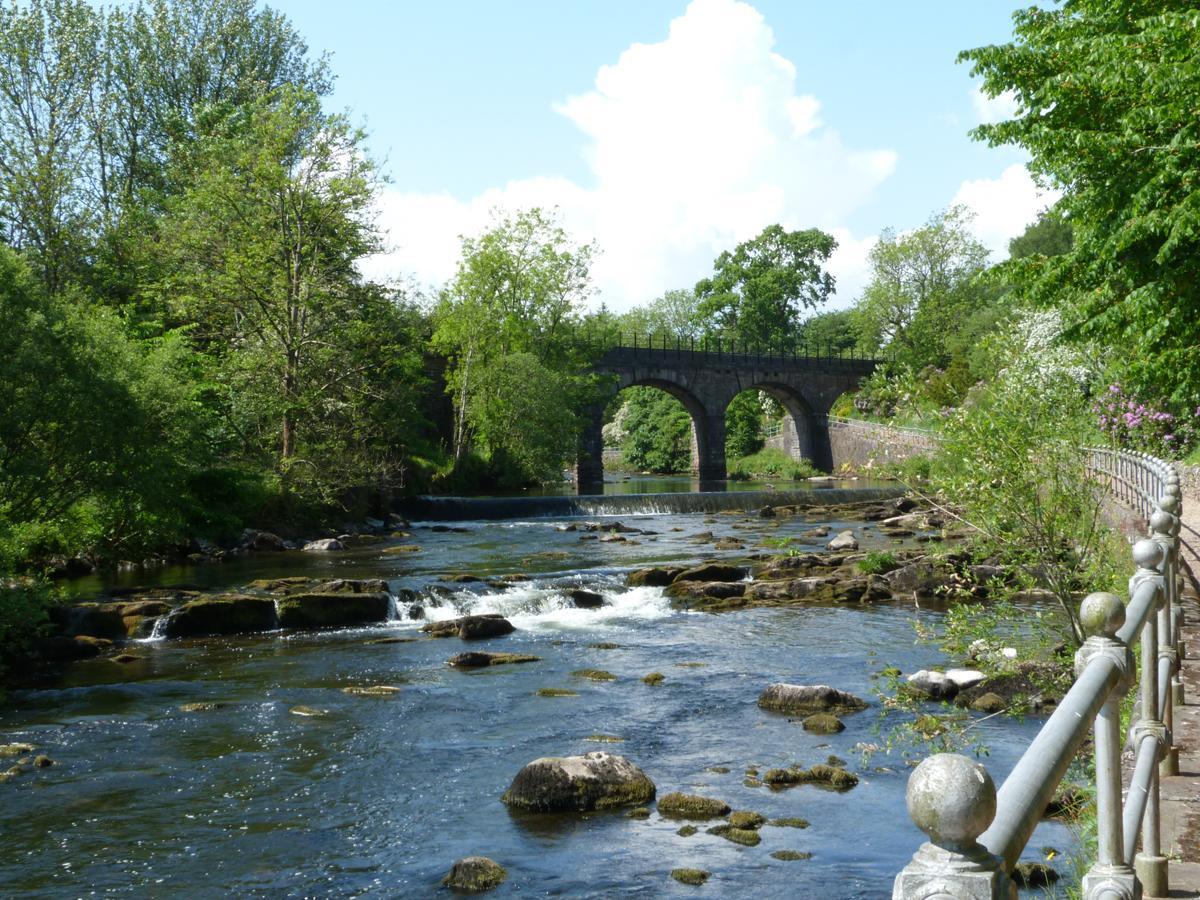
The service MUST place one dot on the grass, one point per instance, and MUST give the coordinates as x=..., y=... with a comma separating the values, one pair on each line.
x=770, y=463
x=878, y=563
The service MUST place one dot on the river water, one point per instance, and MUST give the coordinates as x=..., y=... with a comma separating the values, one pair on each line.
x=381, y=794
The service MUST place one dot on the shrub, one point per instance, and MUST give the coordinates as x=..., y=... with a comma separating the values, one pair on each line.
x=770, y=463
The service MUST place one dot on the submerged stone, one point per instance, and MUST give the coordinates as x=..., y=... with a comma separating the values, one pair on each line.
x=790, y=855
x=202, y=706
x=556, y=692
x=654, y=678
x=594, y=781
x=471, y=627
x=594, y=675
x=789, y=822
x=308, y=712
x=479, y=660
x=585, y=599
x=15, y=749
x=374, y=690
x=605, y=739
x=604, y=645
x=642, y=812
x=475, y=874
x=829, y=776
x=744, y=836
x=823, y=723
x=691, y=806
x=690, y=876
x=687, y=830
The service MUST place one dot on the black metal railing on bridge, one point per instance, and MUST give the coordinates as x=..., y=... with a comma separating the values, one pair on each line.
x=709, y=346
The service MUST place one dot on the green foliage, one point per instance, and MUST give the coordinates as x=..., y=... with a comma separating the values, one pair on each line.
x=518, y=292
x=675, y=314
x=743, y=425
x=831, y=332
x=655, y=431
x=1049, y=235
x=878, y=562
x=771, y=463
x=759, y=289
x=923, y=285
x=1012, y=459
x=25, y=605
x=1105, y=95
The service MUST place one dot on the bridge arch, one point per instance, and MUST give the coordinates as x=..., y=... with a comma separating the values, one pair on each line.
x=801, y=426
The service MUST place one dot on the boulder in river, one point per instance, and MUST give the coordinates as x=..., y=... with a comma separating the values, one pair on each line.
x=471, y=627
x=691, y=806
x=934, y=685
x=712, y=572
x=845, y=540
x=808, y=698
x=585, y=599
x=318, y=610
x=262, y=541
x=578, y=784
x=823, y=723
x=475, y=874
x=221, y=614
x=324, y=545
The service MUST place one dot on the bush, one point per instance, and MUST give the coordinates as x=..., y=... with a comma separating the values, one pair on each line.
x=878, y=562
x=770, y=463
x=25, y=605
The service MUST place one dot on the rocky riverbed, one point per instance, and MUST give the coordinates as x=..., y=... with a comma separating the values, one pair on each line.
x=358, y=720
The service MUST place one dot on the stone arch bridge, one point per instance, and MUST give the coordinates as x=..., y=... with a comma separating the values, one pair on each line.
x=705, y=381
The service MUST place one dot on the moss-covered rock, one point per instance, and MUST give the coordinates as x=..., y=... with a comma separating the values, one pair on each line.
x=15, y=749
x=789, y=822
x=687, y=830
x=988, y=703
x=337, y=610
x=803, y=699
x=718, y=770
x=475, y=874
x=747, y=819
x=642, y=812
x=823, y=723
x=790, y=855
x=202, y=706
x=594, y=781
x=744, y=836
x=221, y=614
x=604, y=645
x=478, y=660
x=829, y=776
x=712, y=572
x=652, y=577
x=604, y=739
x=690, y=876
x=654, y=678
x=556, y=692
x=691, y=806
x=594, y=675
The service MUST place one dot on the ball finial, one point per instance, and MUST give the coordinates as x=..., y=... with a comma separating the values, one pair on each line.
x=1101, y=614
x=1161, y=521
x=1148, y=554
x=1169, y=502
x=951, y=798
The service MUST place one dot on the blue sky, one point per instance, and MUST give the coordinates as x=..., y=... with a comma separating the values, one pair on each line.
x=668, y=131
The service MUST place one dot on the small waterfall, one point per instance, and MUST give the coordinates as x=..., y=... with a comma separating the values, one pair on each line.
x=158, y=632
x=485, y=508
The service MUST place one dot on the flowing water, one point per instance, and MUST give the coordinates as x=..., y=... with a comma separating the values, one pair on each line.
x=380, y=794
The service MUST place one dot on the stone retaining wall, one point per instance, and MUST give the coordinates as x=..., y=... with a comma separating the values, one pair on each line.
x=858, y=444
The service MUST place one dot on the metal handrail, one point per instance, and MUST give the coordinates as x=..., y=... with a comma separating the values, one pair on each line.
x=708, y=347
x=977, y=834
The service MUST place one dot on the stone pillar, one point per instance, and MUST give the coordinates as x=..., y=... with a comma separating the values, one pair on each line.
x=710, y=442
x=589, y=462
x=822, y=450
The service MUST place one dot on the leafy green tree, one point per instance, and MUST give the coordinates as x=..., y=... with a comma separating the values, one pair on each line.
x=923, y=284
x=261, y=250
x=518, y=292
x=743, y=425
x=1049, y=235
x=657, y=432
x=832, y=331
x=675, y=314
x=759, y=290
x=1106, y=96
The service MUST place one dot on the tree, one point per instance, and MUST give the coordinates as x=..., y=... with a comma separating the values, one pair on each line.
x=675, y=314
x=1106, y=97
x=832, y=331
x=1049, y=235
x=262, y=247
x=759, y=289
x=518, y=293
x=656, y=431
x=922, y=286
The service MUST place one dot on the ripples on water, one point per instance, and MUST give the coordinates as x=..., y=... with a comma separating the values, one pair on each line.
x=378, y=797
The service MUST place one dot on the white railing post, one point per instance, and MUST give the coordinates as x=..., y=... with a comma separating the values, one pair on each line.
x=1110, y=877
x=953, y=800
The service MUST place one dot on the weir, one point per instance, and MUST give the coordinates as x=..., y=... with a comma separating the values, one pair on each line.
x=446, y=509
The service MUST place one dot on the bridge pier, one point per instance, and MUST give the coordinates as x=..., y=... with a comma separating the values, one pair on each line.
x=589, y=462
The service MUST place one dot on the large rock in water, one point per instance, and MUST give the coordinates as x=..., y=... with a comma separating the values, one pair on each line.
x=585, y=599
x=471, y=627
x=579, y=784
x=475, y=874
x=844, y=541
x=713, y=572
x=333, y=610
x=808, y=698
x=652, y=577
x=230, y=614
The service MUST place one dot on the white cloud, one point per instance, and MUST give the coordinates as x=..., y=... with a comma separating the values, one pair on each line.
x=693, y=143
x=851, y=267
x=990, y=110
x=1004, y=206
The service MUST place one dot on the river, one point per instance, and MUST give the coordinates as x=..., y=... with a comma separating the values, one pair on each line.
x=381, y=794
